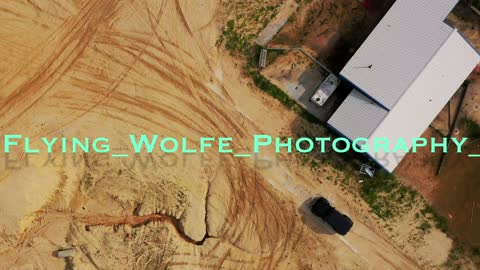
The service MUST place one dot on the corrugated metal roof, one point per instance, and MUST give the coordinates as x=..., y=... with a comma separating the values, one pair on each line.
x=398, y=49
x=417, y=64
x=427, y=95
x=358, y=116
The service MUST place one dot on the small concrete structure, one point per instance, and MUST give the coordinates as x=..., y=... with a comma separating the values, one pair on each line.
x=263, y=58
x=66, y=253
x=325, y=90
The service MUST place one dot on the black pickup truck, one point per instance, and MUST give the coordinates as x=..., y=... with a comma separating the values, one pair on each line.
x=339, y=222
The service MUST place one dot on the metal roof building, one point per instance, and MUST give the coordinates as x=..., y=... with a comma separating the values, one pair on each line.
x=405, y=72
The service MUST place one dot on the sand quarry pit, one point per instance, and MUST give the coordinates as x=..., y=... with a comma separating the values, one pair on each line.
x=112, y=68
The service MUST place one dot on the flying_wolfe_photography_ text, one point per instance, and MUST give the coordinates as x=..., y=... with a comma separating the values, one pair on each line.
x=148, y=143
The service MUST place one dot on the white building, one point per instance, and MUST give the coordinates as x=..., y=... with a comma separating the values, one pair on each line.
x=404, y=74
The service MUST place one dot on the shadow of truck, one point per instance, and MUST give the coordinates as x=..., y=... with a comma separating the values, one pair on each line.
x=314, y=223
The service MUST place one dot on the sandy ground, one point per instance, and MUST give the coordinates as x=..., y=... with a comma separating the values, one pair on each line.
x=113, y=68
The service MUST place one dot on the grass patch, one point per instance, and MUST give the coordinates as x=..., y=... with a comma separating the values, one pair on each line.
x=379, y=193
x=235, y=42
x=425, y=226
x=441, y=222
x=388, y=198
